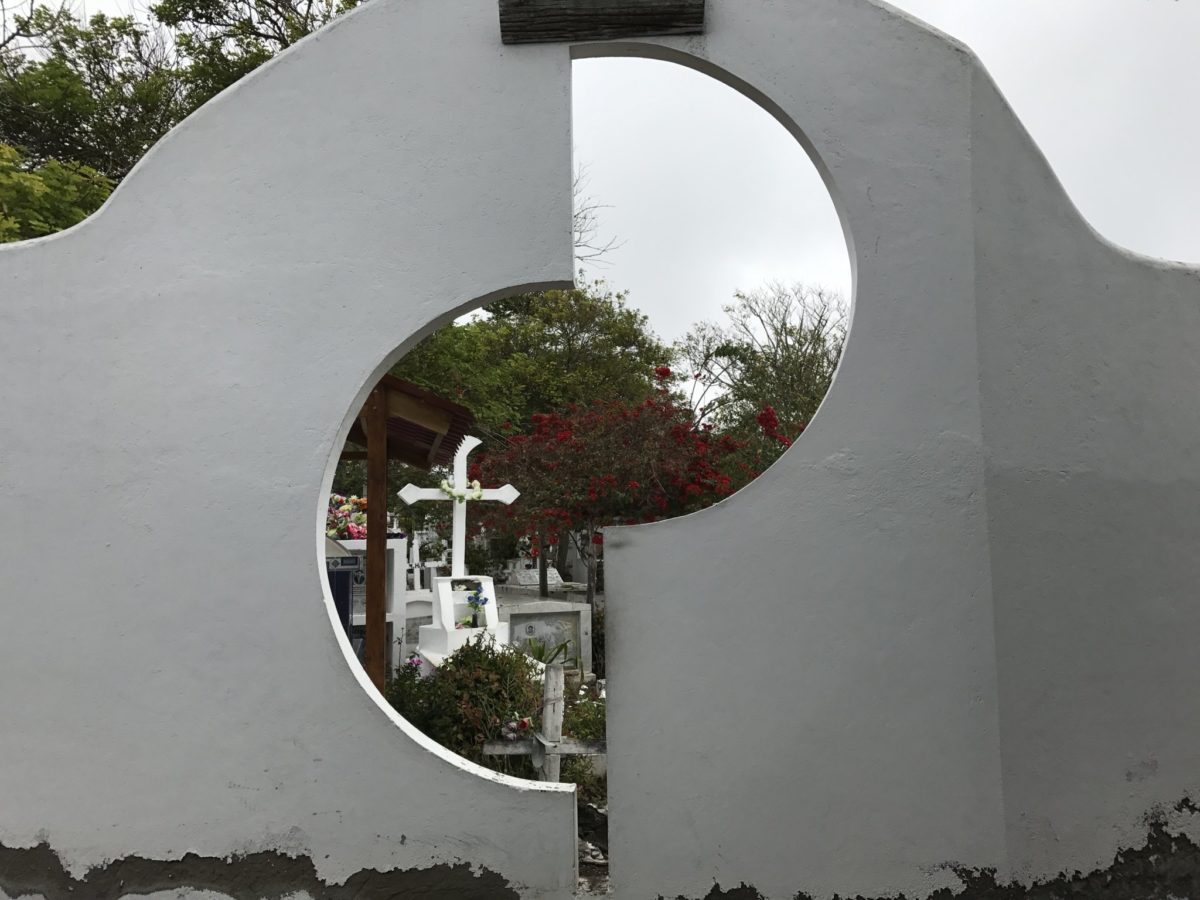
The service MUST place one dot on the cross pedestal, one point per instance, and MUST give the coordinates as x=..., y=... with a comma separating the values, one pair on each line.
x=444, y=636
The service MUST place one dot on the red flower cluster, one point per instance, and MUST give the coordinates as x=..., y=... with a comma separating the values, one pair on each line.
x=609, y=463
x=768, y=421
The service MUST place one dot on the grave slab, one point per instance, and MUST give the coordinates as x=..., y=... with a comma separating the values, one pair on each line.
x=551, y=621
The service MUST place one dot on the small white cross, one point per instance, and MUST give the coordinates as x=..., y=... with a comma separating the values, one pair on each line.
x=462, y=492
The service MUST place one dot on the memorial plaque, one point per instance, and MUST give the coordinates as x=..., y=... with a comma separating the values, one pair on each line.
x=552, y=622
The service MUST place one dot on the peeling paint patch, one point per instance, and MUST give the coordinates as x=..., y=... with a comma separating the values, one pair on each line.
x=1167, y=867
x=741, y=892
x=268, y=875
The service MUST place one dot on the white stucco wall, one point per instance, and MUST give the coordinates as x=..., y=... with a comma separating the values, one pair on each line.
x=178, y=371
x=966, y=597
x=965, y=615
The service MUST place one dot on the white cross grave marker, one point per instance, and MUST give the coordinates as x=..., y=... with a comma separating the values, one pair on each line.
x=460, y=492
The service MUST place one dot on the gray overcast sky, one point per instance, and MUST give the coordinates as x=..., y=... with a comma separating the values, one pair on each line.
x=710, y=195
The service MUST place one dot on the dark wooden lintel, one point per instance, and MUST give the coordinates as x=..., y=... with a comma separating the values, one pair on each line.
x=557, y=21
x=411, y=456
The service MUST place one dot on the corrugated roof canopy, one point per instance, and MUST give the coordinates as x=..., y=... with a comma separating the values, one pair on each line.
x=423, y=429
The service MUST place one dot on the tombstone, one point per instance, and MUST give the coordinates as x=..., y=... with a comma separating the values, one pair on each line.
x=347, y=576
x=552, y=622
x=421, y=572
x=418, y=608
x=520, y=574
x=395, y=590
x=418, y=612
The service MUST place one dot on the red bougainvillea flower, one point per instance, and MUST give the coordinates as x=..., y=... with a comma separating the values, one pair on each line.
x=610, y=462
x=768, y=421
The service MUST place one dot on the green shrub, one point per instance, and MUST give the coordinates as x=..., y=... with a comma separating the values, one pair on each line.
x=466, y=702
x=589, y=787
x=545, y=654
x=433, y=550
x=481, y=687
x=584, y=719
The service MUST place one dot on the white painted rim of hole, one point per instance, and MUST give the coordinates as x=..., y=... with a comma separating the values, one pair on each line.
x=352, y=663
x=647, y=49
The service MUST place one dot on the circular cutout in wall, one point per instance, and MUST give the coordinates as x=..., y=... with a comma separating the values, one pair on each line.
x=697, y=344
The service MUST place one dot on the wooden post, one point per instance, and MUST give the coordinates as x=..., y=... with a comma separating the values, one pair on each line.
x=536, y=21
x=375, y=653
x=552, y=718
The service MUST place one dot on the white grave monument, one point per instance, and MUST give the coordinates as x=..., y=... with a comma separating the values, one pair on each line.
x=447, y=633
x=520, y=574
x=395, y=590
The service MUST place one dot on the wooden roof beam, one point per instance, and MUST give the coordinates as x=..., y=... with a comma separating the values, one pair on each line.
x=407, y=407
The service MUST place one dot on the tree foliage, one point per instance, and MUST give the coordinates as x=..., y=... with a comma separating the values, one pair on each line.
x=763, y=373
x=98, y=94
x=39, y=200
x=608, y=463
x=480, y=688
x=219, y=41
x=540, y=352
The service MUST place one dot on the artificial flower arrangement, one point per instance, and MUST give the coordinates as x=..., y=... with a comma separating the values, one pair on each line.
x=474, y=491
x=347, y=518
x=477, y=601
x=515, y=729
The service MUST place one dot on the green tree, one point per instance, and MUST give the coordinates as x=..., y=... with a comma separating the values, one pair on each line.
x=219, y=41
x=97, y=95
x=763, y=373
x=540, y=352
x=101, y=94
x=39, y=200
x=607, y=463
x=537, y=353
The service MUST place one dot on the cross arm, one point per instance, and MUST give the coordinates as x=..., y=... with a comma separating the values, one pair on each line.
x=410, y=494
x=537, y=745
x=505, y=495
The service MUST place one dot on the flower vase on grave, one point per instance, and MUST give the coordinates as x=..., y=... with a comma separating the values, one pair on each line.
x=476, y=600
